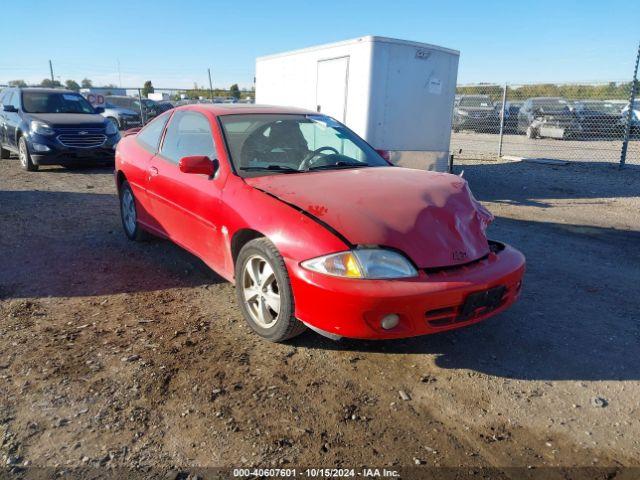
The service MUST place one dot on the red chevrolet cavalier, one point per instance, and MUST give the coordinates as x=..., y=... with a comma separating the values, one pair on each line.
x=314, y=227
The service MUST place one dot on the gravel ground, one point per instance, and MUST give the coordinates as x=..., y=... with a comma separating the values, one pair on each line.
x=469, y=144
x=115, y=354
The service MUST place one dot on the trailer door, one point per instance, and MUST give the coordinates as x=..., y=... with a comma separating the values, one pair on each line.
x=331, y=88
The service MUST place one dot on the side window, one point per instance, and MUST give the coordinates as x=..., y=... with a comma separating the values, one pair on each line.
x=150, y=135
x=188, y=134
x=15, y=100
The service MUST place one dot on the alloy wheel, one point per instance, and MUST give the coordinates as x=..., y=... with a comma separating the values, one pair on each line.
x=129, y=211
x=22, y=154
x=261, y=292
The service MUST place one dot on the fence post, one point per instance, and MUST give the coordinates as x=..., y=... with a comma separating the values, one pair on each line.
x=141, y=109
x=632, y=97
x=504, y=106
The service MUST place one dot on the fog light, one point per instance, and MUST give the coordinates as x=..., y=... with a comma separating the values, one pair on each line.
x=390, y=321
x=38, y=147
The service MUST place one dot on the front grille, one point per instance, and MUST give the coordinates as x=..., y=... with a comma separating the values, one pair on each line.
x=82, y=138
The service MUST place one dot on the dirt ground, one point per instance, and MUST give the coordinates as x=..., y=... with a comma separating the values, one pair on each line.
x=116, y=354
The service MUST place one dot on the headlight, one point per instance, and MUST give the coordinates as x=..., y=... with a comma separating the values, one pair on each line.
x=111, y=128
x=40, y=128
x=368, y=263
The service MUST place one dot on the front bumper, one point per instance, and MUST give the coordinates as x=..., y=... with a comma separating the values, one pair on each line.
x=429, y=303
x=477, y=123
x=59, y=154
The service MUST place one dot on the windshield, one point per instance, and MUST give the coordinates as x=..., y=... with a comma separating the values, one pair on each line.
x=58, y=102
x=262, y=144
x=476, y=102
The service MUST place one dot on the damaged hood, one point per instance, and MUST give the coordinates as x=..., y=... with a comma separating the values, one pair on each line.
x=431, y=217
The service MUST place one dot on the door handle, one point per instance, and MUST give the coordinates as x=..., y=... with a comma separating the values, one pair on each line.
x=153, y=171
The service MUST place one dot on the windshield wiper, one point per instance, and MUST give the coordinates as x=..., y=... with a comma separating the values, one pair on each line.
x=337, y=165
x=277, y=168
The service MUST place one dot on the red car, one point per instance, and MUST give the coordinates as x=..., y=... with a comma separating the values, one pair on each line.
x=313, y=225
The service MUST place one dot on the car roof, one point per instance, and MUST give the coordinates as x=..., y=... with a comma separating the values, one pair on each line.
x=219, y=109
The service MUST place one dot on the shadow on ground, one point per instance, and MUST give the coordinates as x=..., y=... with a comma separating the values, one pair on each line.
x=528, y=183
x=71, y=244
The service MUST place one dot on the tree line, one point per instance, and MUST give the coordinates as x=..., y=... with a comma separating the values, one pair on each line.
x=195, y=92
x=607, y=91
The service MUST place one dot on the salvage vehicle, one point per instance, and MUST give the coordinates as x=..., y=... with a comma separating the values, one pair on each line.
x=550, y=117
x=313, y=225
x=599, y=118
x=476, y=112
x=149, y=107
x=46, y=126
x=635, y=117
x=121, y=117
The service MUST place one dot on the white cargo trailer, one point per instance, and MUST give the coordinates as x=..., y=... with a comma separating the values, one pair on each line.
x=396, y=94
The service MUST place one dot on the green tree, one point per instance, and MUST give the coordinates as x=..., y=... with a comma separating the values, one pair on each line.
x=48, y=83
x=86, y=83
x=72, y=85
x=147, y=89
x=17, y=83
x=235, y=91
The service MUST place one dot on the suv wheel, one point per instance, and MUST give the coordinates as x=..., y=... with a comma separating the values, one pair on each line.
x=264, y=292
x=25, y=156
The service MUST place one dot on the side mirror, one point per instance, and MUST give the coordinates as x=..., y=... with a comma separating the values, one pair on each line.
x=9, y=108
x=99, y=109
x=198, y=164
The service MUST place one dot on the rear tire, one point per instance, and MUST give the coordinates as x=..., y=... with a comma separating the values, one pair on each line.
x=25, y=157
x=129, y=215
x=264, y=292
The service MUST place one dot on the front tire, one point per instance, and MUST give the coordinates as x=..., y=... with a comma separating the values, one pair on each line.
x=25, y=157
x=129, y=214
x=264, y=292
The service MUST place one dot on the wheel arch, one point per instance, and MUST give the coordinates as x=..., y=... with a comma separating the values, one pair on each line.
x=120, y=179
x=241, y=238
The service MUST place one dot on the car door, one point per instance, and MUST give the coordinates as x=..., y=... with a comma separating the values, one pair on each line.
x=12, y=119
x=187, y=204
x=139, y=171
x=3, y=95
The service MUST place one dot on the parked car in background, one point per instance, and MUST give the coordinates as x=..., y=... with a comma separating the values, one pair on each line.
x=475, y=112
x=121, y=117
x=599, y=118
x=635, y=117
x=246, y=189
x=150, y=108
x=165, y=106
x=547, y=117
x=53, y=127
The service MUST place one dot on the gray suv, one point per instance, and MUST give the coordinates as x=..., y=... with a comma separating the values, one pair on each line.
x=149, y=107
x=121, y=117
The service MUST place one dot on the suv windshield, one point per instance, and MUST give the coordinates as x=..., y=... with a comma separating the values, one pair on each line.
x=551, y=104
x=55, y=102
x=475, y=102
x=262, y=144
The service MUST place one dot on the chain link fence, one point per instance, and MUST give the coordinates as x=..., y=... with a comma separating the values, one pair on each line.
x=576, y=122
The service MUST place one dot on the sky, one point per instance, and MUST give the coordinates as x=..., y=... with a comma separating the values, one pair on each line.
x=173, y=43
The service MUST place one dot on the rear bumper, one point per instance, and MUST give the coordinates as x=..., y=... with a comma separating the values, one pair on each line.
x=429, y=303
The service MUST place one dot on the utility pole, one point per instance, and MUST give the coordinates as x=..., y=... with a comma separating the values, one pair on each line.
x=51, y=70
x=632, y=97
x=210, y=84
